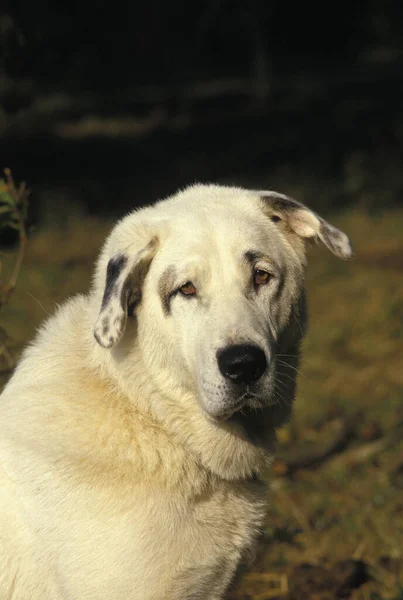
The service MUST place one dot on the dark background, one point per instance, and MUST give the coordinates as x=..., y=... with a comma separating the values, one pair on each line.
x=109, y=105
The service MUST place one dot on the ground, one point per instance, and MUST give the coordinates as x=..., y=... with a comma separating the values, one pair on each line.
x=335, y=524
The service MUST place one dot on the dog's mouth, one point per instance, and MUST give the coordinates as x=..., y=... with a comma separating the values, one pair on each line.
x=228, y=414
x=247, y=404
x=249, y=415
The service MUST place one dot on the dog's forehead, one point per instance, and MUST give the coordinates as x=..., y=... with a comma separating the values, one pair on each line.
x=213, y=231
x=199, y=196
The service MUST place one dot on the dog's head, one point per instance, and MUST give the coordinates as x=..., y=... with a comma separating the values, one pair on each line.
x=208, y=288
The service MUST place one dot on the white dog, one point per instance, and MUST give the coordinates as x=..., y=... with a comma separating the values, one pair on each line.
x=135, y=428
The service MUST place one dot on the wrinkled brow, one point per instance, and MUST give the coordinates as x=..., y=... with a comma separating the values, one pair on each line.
x=165, y=285
x=253, y=256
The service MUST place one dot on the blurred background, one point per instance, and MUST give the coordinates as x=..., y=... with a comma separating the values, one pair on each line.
x=108, y=106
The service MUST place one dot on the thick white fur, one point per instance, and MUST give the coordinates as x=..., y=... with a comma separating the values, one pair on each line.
x=115, y=482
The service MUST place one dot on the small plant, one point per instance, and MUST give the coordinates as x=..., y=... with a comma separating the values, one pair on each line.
x=13, y=214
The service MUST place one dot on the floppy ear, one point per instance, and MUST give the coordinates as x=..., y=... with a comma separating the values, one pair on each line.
x=124, y=278
x=306, y=223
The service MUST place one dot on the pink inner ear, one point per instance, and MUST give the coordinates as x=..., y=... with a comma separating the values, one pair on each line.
x=304, y=223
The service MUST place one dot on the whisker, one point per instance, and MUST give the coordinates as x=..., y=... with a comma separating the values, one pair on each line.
x=291, y=377
x=303, y=359
x=285, y=364
x=279, y=396
x=300, y=326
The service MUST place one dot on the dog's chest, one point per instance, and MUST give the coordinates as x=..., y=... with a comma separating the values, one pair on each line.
x=167, y=541
x=204, y=538
x=217, y=533
x=225, y=515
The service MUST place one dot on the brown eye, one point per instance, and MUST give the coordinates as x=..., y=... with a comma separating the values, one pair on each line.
x=260, y=277
x=188, y=289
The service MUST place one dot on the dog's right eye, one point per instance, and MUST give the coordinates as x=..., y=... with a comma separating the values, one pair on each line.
x=188, y=289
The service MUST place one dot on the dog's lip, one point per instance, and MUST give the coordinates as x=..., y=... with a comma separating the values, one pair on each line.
x=236, y=406
x=227, y=411
x=246, y=405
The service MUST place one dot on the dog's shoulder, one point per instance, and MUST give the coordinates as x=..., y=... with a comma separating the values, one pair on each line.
x=61, y=400
x=56, y=351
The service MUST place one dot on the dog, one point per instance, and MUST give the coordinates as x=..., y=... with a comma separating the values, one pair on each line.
x=137, y=425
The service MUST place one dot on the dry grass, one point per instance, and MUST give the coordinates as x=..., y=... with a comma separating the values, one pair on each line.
x=348, y=508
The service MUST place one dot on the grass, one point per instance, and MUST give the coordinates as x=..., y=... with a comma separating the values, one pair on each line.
x=350, y=507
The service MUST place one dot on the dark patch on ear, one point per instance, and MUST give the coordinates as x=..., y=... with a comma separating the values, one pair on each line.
x=331, y=235
x=165, y=285
x=336, y=240
x=133, y=301
x=114, y=269
x=306, y=223
x=96, y=336
x=131, y=290
x=122, y=293
x=280, y=202
x=105, y=325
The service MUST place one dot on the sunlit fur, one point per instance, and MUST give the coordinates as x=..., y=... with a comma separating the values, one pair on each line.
x=129, y=465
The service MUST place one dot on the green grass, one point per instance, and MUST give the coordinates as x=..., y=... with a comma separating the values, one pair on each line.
x=346, y=508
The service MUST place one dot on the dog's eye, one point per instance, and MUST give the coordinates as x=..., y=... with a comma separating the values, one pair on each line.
x=261, y=277
x=188, y=289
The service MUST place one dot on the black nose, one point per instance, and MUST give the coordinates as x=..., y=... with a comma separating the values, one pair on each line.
x=242, y=363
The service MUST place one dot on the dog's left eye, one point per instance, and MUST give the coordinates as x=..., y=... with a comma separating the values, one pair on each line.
x=261, y=277
x=188, y=289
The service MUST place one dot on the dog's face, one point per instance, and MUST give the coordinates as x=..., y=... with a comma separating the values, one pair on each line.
x=214, y=289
